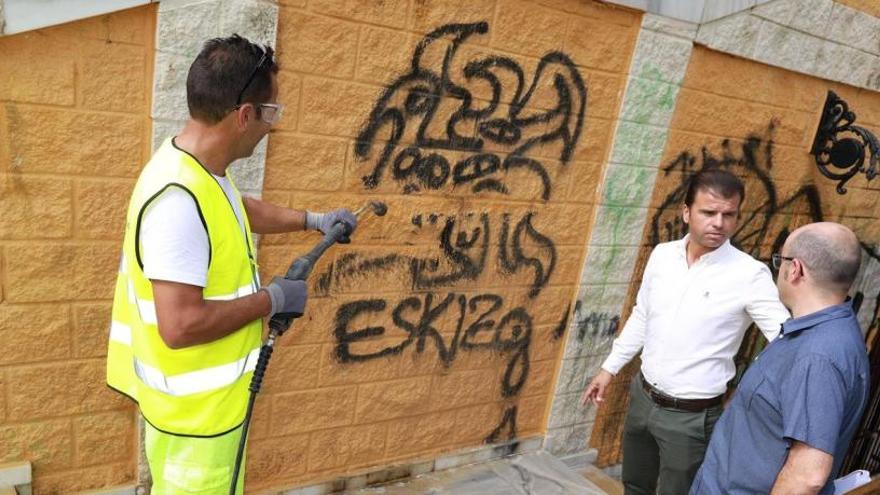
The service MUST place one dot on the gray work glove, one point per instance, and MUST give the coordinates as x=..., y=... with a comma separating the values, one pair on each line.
x=323, y=222
x=288, y=296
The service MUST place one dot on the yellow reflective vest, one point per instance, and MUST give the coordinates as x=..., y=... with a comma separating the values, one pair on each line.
x=199, y=390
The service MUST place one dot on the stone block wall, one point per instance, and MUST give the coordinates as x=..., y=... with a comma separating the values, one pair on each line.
x=484, y=126
x=74, y=132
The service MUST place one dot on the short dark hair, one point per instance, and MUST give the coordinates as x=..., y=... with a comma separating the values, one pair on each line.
x=719, y=181
x=833, y=262
x=226, y=74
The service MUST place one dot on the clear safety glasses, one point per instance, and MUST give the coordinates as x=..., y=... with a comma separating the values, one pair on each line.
x=270, y=113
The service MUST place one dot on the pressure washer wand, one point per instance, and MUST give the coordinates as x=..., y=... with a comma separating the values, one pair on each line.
x=279, y=323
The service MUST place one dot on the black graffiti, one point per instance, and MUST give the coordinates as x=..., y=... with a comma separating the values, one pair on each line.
x=476, y=147
x=464, y=242
x=351, y=265
x=597, y=325
x=752, y=161
x=464, y=245
x=478, y=328
x=414, y=99
x=508, y=420
x=466, y=250
x=456, y=243
x=513, y=260
x=593, y=324
x=562, y=326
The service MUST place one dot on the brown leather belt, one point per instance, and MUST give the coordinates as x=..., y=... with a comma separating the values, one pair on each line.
x=691, y=405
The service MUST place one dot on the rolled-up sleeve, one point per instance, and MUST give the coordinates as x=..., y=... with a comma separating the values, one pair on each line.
x=813, y=400
x=763, y=304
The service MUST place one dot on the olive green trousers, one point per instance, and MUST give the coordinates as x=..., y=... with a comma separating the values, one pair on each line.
x=663, y=447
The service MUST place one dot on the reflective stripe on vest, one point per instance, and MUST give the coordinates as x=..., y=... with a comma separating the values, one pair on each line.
x=244, y=290
x=199, y=390
x=196, y=382
x=147, y=308
x=120, y=332
x=185, y=383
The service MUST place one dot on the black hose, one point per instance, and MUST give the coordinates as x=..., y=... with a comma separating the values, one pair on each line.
x=278, y=324
x=256, y=384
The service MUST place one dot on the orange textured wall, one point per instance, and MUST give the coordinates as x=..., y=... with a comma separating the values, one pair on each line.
x=454, y=253
x=759, y=122
x=871, y=7
x=74, y=132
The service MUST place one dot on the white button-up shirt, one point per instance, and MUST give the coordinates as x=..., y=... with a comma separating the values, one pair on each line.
x=689, y=322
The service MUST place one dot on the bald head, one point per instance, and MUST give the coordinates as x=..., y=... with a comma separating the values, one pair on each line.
x=831, y=253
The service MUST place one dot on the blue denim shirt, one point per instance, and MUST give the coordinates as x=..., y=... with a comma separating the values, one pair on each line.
x=810, y=384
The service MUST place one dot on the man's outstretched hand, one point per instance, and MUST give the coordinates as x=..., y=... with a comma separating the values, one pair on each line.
x=595, y=391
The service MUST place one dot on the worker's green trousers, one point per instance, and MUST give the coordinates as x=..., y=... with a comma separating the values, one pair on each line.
x=192, y=465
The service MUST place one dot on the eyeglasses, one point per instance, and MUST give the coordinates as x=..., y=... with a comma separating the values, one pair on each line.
x=776, y=260
x=270, y=113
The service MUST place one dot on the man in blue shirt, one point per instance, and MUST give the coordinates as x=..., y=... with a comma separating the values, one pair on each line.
x=798, y=405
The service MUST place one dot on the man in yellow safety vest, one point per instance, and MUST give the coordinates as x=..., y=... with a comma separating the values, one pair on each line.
x=186, y=326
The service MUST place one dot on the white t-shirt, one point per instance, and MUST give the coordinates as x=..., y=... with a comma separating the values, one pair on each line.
x=174, y=243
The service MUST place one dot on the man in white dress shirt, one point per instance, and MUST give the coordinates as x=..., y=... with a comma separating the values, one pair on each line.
x=698, y=296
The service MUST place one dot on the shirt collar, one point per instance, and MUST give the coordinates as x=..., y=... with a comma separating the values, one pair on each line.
x=841, y=310
x=709, y=257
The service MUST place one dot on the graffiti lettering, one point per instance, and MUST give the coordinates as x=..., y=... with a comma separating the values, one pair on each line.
x=513, y=125
x=465, y=250
x=513, y=259
x=428, y=131
x=455, y=243
x=511, y=334
x=508, y=420
x=591, y=325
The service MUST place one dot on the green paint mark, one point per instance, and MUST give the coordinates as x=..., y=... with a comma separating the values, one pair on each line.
x=638, y=144
x=648, y=98
x=625, y=185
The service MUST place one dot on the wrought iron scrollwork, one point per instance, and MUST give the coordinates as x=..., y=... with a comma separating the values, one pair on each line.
x=839, y=145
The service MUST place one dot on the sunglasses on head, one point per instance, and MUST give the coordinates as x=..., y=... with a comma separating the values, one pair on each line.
x=270, y=113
